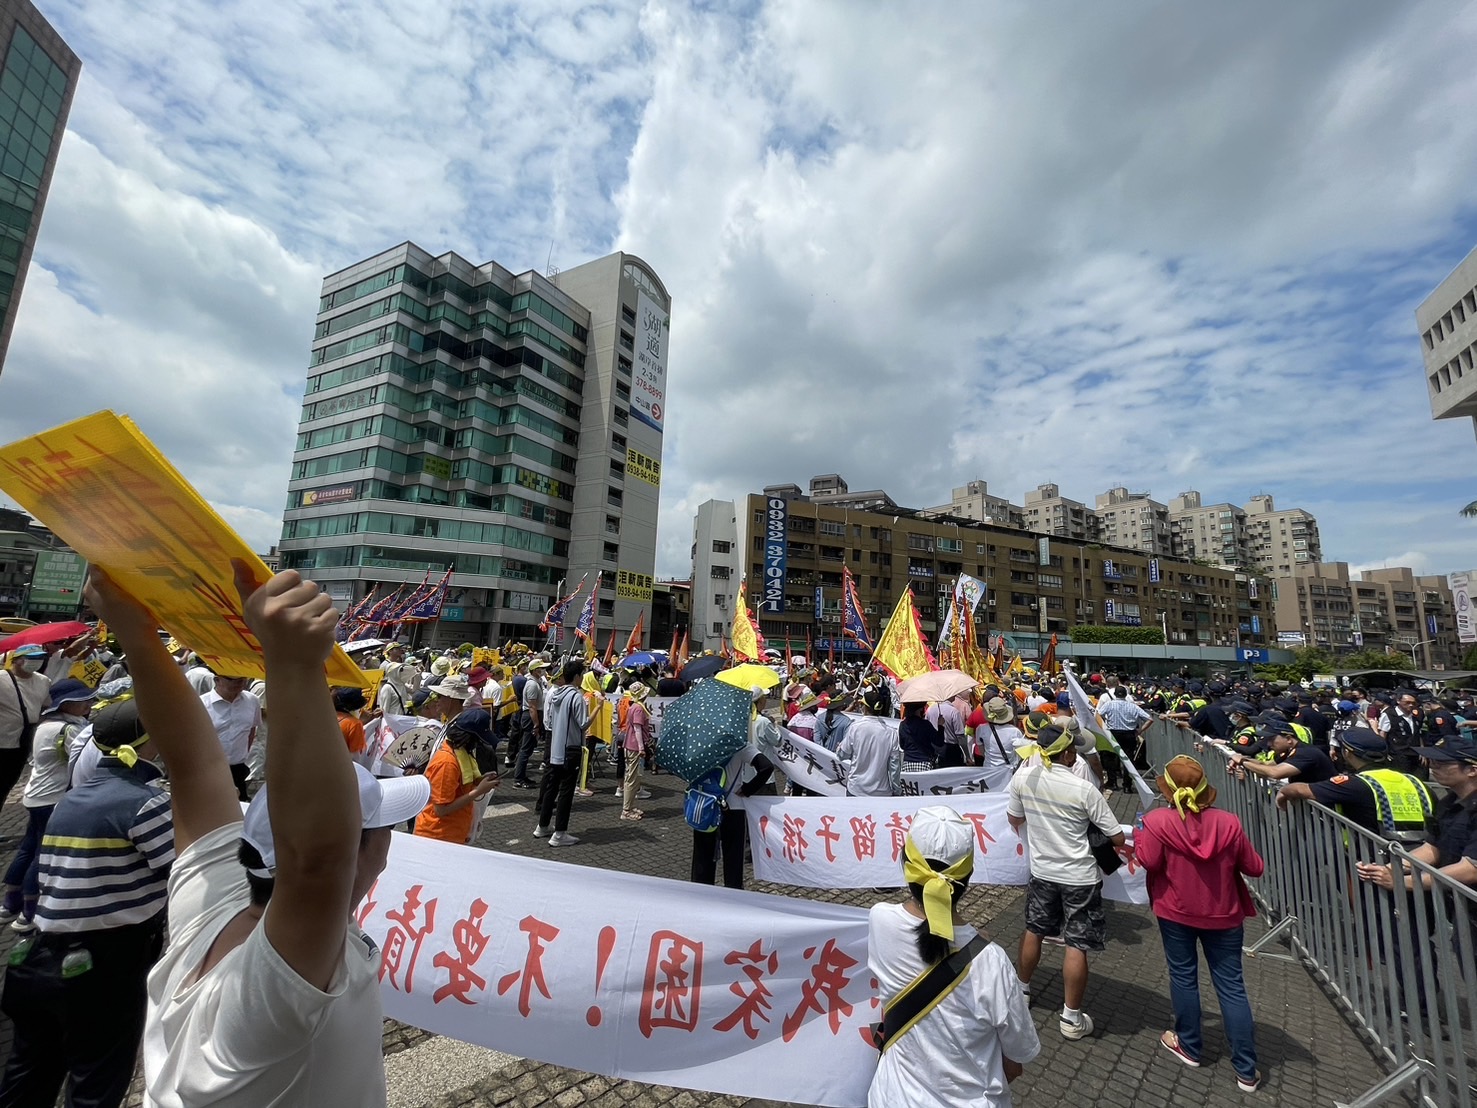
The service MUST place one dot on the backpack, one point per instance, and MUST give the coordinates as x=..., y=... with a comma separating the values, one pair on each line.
x=705, y=800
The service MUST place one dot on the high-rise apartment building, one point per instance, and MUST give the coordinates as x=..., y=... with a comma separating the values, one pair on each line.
x=717, y=566
x=37, y=80
x=1281, y=539
x=974, y=501
x=1215, y=532
x=506, y=426
x=1447, y=322
x=1133, y=520
x=1047, y=512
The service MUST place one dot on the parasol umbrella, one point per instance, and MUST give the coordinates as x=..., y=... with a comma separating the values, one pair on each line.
x=703, y=728
x=705, y=666
x=43, y=633
x=749, y=675
x=640, y=658
x=939, y=684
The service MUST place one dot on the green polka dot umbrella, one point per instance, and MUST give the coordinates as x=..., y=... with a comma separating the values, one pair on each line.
x=703, y=728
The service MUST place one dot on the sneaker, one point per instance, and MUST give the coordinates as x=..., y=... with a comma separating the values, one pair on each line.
x=643, y=794
x=584, y=792
x=540, y=831
x=1026, y=990
x=1074, y=1031
x=562, y=838
x=619, y=790
x=23, y=926
x=6, y=915
x=1249, y=1084
x=1171, y=1042
x=525, y=784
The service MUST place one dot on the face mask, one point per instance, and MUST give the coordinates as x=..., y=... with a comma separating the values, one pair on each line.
x=30, y=665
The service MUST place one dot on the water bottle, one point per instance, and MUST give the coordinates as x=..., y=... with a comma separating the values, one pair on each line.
x=21, y=949
x=76, y=963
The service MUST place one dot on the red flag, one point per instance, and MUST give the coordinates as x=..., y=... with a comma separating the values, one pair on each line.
x=610, y=650
x=723, y=647
x=809, y=648
x=633, y=643
x=1049, y=664
x=831, y=653
x=682, y=650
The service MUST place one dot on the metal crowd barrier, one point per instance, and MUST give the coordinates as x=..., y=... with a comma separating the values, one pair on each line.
x=1399, y=962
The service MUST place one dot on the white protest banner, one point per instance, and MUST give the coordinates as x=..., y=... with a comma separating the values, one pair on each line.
x=808, y=764
x=1087, y=718
x=959, y=779
x=634, y=977
x=857, y=842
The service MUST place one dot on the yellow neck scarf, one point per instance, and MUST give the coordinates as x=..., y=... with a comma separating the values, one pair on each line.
x=467, y=763
x=125, y=754
x=938, y=888
x=1185, y=797
x=1046, y=752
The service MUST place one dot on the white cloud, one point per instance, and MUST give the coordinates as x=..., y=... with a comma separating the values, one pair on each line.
x=916, y=245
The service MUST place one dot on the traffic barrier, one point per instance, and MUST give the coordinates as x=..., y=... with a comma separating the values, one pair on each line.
x=1399, y=962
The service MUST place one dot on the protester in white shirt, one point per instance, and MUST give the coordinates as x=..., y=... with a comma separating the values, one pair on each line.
x=870, y=751
x=976, y=1039
x=23, y=697
x=200, y=678
x=1065, y=894
x=236, y=715
x=998, y=737
x=268, y=992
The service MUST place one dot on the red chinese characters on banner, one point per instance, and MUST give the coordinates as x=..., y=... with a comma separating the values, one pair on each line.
x=470, y=942
x=540, y=934
x=828, y=836
x=408, y=933
x=753, y=998
x=822, y=992
x=673, y=981
x=981, y=836
x=864, y=837
x=795, y=842
x=897, y=827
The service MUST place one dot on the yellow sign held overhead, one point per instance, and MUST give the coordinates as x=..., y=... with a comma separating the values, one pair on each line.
x=109, y=494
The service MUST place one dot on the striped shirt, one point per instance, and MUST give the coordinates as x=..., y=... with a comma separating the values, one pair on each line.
x=106, y=853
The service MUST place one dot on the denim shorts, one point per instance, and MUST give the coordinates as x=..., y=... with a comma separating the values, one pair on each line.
x=1075, y=912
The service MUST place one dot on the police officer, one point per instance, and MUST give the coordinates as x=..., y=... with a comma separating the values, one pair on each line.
x=1291, y=758
x=1380, y=799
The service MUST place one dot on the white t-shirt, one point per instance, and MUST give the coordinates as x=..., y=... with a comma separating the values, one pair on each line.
x=952, y=1056
x=36, y=691
x=251, y=1031
x=201, y=679
x=1059, y=807
x=1010, y=737
x=234, y=720
x=50, y=773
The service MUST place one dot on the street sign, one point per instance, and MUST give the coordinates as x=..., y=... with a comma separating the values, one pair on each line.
x=1253, y=654
x=56, y=582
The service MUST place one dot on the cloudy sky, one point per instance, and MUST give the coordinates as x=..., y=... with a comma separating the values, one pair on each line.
x=1170, y=246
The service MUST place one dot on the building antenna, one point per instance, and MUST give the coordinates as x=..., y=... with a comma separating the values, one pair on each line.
x=550, y=269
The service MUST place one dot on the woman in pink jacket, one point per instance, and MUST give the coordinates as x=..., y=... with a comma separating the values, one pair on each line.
x=1195, y=858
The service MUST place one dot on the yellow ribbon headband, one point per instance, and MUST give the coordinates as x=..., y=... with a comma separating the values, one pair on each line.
x=1047, y=752
x=938, y=887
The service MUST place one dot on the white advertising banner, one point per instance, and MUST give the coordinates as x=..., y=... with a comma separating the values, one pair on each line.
x=649, y=379
x=1461, y=602
x=633, y=977
x=857, y=842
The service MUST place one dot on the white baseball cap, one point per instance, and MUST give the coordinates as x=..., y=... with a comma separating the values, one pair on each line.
x=941, y=834
x=383, y=802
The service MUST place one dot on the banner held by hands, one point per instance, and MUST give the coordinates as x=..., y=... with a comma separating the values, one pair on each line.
x=109, y=494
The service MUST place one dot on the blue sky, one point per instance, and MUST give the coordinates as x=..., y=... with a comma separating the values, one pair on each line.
x=1161, y=245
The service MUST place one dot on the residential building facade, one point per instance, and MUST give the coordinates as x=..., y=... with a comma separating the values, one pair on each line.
x=1134, y=521
x=974, y=501
x=507, y=427
x=796, y=550
x=1047, y=512
x=1214, y=532
x=37, y=80
x=1281, y=539
x=717, y=565
x=1447, y=324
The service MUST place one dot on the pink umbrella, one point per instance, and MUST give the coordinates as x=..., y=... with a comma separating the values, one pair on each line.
x=43, y=633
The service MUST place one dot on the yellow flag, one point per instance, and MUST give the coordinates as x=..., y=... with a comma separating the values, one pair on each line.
x=105, y=489
x=1016, y=667
x=902, y=650
x=744, y=634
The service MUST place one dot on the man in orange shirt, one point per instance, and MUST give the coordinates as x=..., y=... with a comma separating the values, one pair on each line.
x=456, y=782
x=348, y=703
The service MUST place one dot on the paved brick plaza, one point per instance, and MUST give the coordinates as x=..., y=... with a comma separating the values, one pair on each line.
x=1308, y=1052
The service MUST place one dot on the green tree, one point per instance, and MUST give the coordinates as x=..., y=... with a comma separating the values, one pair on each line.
x=1306, y=661
x=1370, y=658
x=1469, y=659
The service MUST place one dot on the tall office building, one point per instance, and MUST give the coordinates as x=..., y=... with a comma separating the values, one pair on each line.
x=1447, y=322
x=507, y=427
x=36, y=85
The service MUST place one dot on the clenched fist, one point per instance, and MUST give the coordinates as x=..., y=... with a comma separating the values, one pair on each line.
x=292, y=618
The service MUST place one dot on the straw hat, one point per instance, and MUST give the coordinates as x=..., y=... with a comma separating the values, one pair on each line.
x=1185, y=776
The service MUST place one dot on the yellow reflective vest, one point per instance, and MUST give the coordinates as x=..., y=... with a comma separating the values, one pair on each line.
x=1402, y=801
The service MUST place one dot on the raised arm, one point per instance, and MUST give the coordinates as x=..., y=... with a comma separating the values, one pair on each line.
x=203, y=795
x=312, y=790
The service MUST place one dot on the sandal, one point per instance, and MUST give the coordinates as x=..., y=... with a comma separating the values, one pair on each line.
x=633, y=814
x=1171, y=1042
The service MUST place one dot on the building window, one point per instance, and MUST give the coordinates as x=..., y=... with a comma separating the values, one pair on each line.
x=618, y=470
x=612, y=552
x=628, y=313
x=607, y=606
x=627, y=342
x=623, y=392
x=717, y=628
x=623, y=364
x=719, y=573
x=613, y=497
x=621, y=417
x=722, y=546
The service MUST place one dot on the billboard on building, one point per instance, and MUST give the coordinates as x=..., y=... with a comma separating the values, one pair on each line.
x=56, y=582
x=1461, y=597
x=649, y=378
x=776, y=522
